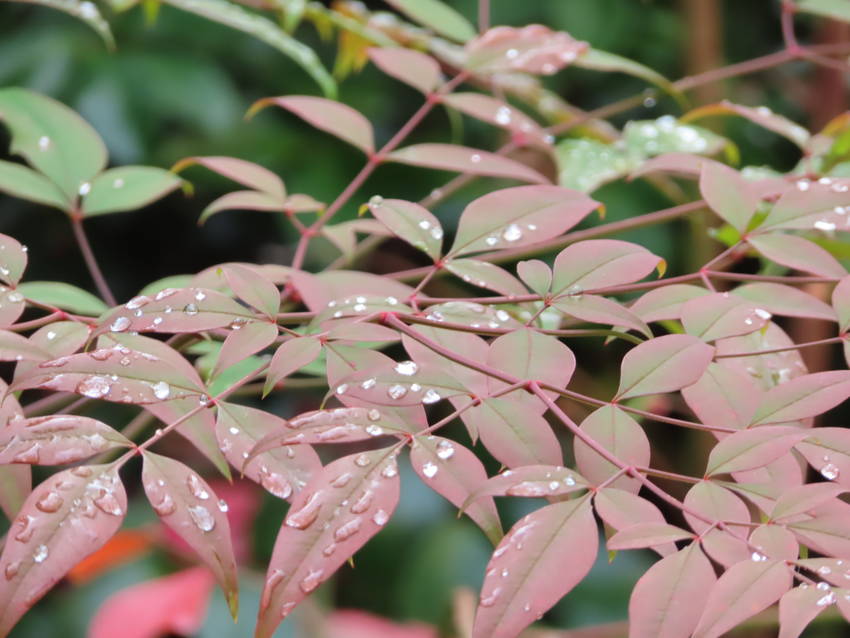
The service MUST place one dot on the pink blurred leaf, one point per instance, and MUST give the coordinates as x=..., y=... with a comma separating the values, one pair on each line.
x=253, y=288
x=531, y=49
x=13, y=261
x=462, y=159
x=410, y=222
x=663, y=364
x=601, y=263
x=535, y=274
x=785, y=300
x=841, y=303
x=496, y=112
x=281, y=471
x=15, y=486
x=803, y=397
x=828, y=451
x=621, y=509
x=723, y=396
x=188, y=505
x=360, y=332
x=596, y=309
x=620, y=434
x=56, y=439
x=437, y=16
x=750, y=449
x=668, y=598
x=242, y=200
x=350, y=623
x=744, y=590
x=12, y=307
x=665, y=302
x=797, y=253
x=127, y=188
x=173, y=604
x=519, y=216
x=766, y=370
x=454, y=472
x=528, y=354
x=827, y=534
x=14, y=347
x=761, y=116
x=246, y=173
x=341, y=508
x=485, y=275
x=808, y=205
x=66, y=518
x=718, y=316
x=335, y=118
x=532, y=481
x=290, y=357
x=414, y=68
x=244, y=342
x=801, y=499
x=800, y=606
x=679, y=164
x=643, y=535
x=544, y=556
x=716, y=503
x=774, y=541
x=728, y=194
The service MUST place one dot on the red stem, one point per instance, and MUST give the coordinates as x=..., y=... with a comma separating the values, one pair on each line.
x=91, y=261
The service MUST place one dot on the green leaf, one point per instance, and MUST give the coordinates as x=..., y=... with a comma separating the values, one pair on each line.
x=64, y=296
x=604, y=61
x=263, y=29
x=19, y=181
x=667, y=135
x=586, y=164
x=53, y=138
x=85, y=11
x=437, y=16
x=838, y=9
x=127, y=188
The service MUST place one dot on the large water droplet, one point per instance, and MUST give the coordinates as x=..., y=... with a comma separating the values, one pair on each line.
x=196, y=487
x=373, y=415
x=362, y=504
x=161, y=390
x=830, y=471
x=11, y=570
x=93, y=387
x=275, y=484
x=347, y=530
x=202, y=518
x=512, y=233
x=490, y=600
x=43, y=143
x=190, y=309
x=429, y=470
x=406, y=368
x=120, y=324
x=165, y=506
x=430, y=396
x=342, y=480
x=390, y=471
x=49, y=502
x=396, y=391
x=26, y=527
x=380, y=518
x=445, y=450
x=526, y=488
x=362, y=460
x=40, y=554
x=311, y=580
x=307, y=514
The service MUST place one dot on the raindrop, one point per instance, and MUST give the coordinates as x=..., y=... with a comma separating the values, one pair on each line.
x=502, y=315
x=362, y=504
x=829, y=599
x=490, y=600
x=430, y=396
x=830, y=471
x=492, y=240
x=85, y=189
x=406, y=368
x=200, y=295
x=526, y=488
x=373, y=415
x=756, y=557
x=202, y=518
x=93, y=387
x=43, y=143
x=330, y=549
x=222, y=505
x=825, y=226
x=28, y=455
x=375, y=200
x=396, y=391
x=275, y=484
x=763, y=314
x=368, y=384
x=25, y=522
x=137, y=302
x=803, y=184
x=424, y=224
x=569, y=481
x=503, y=115
x=108, y=504
x=342, y=480
x=391, y=301
x=347, y=530
x=430, y=470
x=161, y=390
x=437, y=233
x=118, y=183
x=380, y=518
x=196, y=487
x=340, y=389
x=120, y=324
x=512, y=233
x=165, y=507
x=362, y=460
x=11, y=570
x=190, y=309
x=390, y=471
x=511, y=54
x=51, y=335
x=50, y=502
x=445, y=450
x=475, y=158
x=306, y=516
x=374, y=430
x=311, y=580
x=40, y=554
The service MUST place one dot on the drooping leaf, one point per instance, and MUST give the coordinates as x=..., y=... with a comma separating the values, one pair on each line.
x=601, y=263
x=56, y=440
x=803, y=397
x=762, y=116
x=766, y=370
x=19, y=181
x=281, y=471
x=414, y=68
x=801, y=499
x=718, y=316
x=189, y=506
x=531, y=49
x=462, y=159
x=343, y=287
x=12, y=306
x=728, y=194
x=663, y=364
x=437, y=16
x=290, y=357
x=343, y=506
x=64, y=296
x=333, y=117
x=239, y=170
x=620, y=434
x=53, y=139
x=127, y=188
x=668, y=599
x=456, y=473
x=242, y=200
x=750, y=449
x=827, y=533
x=774, y=541
x=798, y=253
x=15, y=347
x=64, y=519
x=620, y=509
x=253, y=288
x=828, y=452
x=744, y=590
x=665, y=302
x=558, y=549
x=410, y=222
x=528, y=354
x=808, y=205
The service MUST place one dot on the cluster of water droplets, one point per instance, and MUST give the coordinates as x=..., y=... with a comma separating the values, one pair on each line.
x=509, y=234
x=360, y=305
x=829, y=470
x=338, y=423
x=397, y=390
x=554, y=482
x=472, y=314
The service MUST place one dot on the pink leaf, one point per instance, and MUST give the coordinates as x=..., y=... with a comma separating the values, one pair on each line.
x=536, y=275
x=188, y=505
x=414, y=68
x=742, y=591
x=14, y=347
x=174, y=604
x=338, y=512
x=803, y=498
x=785, y=300
x=462, y=159
x=828, y=534
x=601, y=263
x=242, y=200
x=665, y=302
x=800, y=606
x=13, y=261
x=473, y=314
x=246, y=173
x=244, y=342
x=532, y=481
x=282, y=472
x=410, y=222
x=620, y=509
x=620, y=434
x=318, y=291
x=723, y=396
x=332, y=117
x=719, y=316
x=12, y=307
x=544, y=556
x=66, y=518
x=454, y=472
x=15, y=486
x=828, y=451
x=716, y=503
x=485, y=275
x=804, y=397
x=498, y=113
x=519, y=216
x=841, y=303
x=663, y=364
x=750, y=449
x=797, y=253
x=761, y=116
x=350, y=623
x=643, y=535
x=253, y=288
x=774, y=541
x=596, y=309
x=766, y=370
x=56, y=440
x=668, y=598
x=530, y=49
x=807, y=205
x=290, y=357
x=728, y=194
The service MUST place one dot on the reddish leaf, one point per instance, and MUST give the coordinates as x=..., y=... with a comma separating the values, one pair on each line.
x=596, y=309
x=253, y=288
x=663, y=364
x=723, y=396
x=174, y=604
x=601, y=263
x=774, y=541
x=318, y=291
x=797, y=253
x=13, y=261
x=496, y=112
x=332, y=117
x=620, y=509
x=804, y=397
x=544, y=556
x=728, y=194
x=485, y=275
x=785, y=300
x=241, y=343
x=832, y=570
x=242, y=200
x=361, y=332
x=828, y=534
x=750, y=449
x=56, y=440
x=801, y=499
x=807, y=205
x=350, y=623
x=761, y=115
x=414, y=68
x=462, y=159
x=643, y=535
x=716, y=503
x=14, y=347
x=290, y=357
x=532, y=481
x=472, y=314
x=617, y=432
x=454, y=472
x=15, y=486
x=528, y=354
x=188, y=505
x=530, y=49
x=281, y=471
x=828, y=451
x=410, y=222
x=680, y=164
x=742, y=591
x=841, y=303
x=767, y=370
x=339, y=511
x=246, y=173
x=12, y=305
x=719, y=316
x=536, y=275
x=665, y=302
x=66, y=518
x=800, y=606
x=668, y=598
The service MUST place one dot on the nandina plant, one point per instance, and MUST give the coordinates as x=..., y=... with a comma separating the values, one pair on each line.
x=763, y=523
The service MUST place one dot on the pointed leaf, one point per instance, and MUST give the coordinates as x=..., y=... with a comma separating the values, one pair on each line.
x=800, y=606
x=601, y=263
x=531, y=49
x=127, y=188
x=254, y=289
x=498, y=113
x=750, y=449
x=242, y=200
x=828, y=451
x=290, y=357
x=558, y=549
x=797, y=253
x=56, y=440
x=536, y=275
x=188, y=505
x=723, y=396
x=665, y=302
x=246, y=173
x=621, y=509
x=532, y=481
x=719, y=316
x=785, y=300
x=596, y=309
x=19, y=181
x=414, y=68
x=716, y=503
x=13, y=260
x=64, y=296
x=807, y=205
x=621, y=435
x=437, y=16
x=485, y=275
x=761, y=116
x=827, y=534
x=643, y=535
x=803, y=397
x=241, y=344
x=801, y=499
x=727, y=194
x=841, y=303
x=663, y=364
x=462, y=159
x=598, y=60
x=410, y=222
x=14, y=347
x=528, y=354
